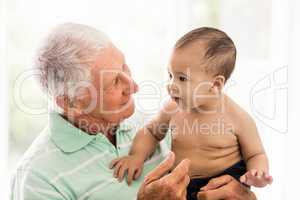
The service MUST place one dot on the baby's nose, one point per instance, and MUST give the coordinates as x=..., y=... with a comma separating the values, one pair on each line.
x=172, y=88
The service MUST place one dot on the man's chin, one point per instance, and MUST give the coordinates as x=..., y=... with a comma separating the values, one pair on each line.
x=119, y=117
x=129, y=112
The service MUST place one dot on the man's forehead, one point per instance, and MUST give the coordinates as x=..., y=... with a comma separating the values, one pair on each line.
x=109, y=58
x=116, y=52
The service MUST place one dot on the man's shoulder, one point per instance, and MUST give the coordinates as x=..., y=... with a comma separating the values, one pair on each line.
x=35, y=169
x=40, y=156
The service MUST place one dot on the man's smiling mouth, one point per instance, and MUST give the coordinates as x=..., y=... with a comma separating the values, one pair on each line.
x=127, y=102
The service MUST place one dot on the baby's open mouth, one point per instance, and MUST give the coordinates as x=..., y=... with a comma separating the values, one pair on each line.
x=176, y=99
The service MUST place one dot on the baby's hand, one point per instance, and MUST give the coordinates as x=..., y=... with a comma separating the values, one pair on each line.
x=133, y=165
x=256, y=178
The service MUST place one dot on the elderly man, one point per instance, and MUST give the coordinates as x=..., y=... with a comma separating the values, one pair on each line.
x=88, y=80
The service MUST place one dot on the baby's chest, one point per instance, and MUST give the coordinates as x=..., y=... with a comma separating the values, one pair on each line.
x=210, y=132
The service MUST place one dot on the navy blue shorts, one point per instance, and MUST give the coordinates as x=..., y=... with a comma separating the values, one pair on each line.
x=236, y=171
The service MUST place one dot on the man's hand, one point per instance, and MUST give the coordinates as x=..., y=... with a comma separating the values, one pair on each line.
x=227, y=188
x=160, y=185
x=132, y=165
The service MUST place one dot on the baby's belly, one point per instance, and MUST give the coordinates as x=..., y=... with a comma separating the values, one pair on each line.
x=208, y=158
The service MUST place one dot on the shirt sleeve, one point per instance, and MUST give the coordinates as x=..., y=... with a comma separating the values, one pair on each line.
x=28, y=185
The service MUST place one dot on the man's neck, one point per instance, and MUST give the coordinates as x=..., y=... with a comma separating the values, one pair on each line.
x=93, y=126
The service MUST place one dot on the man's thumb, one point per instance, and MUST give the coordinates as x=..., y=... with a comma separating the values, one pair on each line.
x=161, y=169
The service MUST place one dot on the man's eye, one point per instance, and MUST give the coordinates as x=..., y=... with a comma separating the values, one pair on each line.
x=116, y=80
x=181, y=78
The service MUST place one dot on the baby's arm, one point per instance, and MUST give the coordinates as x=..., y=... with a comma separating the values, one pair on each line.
x=253, y=153
x=144, y=144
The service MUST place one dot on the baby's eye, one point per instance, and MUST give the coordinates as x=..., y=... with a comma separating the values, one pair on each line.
x=170, y=76
x=182, y=78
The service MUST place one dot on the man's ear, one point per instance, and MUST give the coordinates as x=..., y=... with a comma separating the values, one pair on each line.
x=218, y=83
x=69, y=107
x=62, y=102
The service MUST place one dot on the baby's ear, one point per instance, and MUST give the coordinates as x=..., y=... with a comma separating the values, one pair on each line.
x=219, y=82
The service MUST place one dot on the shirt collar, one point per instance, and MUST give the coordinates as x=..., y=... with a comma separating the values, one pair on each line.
x=69, y=138
x=66, y=136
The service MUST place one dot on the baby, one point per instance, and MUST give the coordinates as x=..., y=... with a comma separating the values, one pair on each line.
x=207, y=127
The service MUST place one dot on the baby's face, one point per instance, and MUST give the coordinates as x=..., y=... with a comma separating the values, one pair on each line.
x=189, y=85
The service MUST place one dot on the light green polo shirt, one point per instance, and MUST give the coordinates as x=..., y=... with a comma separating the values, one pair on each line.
x=64, y=162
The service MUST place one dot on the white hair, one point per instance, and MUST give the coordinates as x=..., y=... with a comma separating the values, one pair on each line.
x=65, y=57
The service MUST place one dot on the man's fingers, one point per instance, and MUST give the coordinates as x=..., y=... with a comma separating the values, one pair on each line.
x=161, y=169
x=185, y=181
x=217, y=182
x=212, y=194
x=180, y=187
x=181, y=170
x=178, y=179
x=184, y=195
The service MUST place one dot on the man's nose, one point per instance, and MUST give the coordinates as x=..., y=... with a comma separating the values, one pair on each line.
x=134, y=86
x=130, y=85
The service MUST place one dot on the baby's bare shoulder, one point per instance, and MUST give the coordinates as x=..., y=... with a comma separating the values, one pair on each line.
x=239, y=115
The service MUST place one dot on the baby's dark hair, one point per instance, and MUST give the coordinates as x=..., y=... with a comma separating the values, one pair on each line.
x=220, y=51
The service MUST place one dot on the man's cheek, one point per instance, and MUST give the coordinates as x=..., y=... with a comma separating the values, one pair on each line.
x=112, y=102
